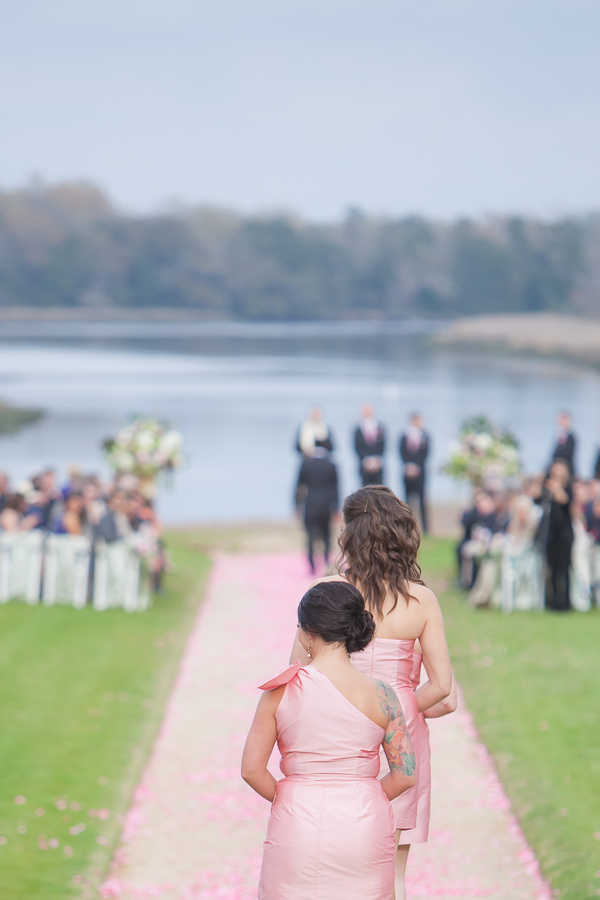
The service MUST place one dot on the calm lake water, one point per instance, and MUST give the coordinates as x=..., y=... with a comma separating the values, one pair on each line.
x=238, y=393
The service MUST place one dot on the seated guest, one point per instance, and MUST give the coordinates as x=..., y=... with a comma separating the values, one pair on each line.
x=114, y=524
x=4, y=492
x=94, y=506
x=75, y=481
x=521, y=562
x=369, y=444
x=483, y=515
x=70, y=520
x=592, y=518
x=14, y=516
x=47, y=495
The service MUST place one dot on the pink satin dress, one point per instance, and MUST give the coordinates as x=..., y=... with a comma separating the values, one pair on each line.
x=420, y=833
x=331, y=830
x=396, y=663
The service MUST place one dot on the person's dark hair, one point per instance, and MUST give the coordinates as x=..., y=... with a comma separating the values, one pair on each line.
x=379, y=545
x=335, y=612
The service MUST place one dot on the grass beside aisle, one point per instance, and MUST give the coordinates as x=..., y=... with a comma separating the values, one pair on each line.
x=81, y=698
x=531, y=682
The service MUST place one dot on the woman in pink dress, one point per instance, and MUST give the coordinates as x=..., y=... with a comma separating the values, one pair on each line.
x=331, y=829
x=379, y=545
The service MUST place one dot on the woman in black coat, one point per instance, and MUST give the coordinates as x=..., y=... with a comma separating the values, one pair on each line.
x=555, y=535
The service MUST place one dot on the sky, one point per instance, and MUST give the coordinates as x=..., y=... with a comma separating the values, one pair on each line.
x=436, y=107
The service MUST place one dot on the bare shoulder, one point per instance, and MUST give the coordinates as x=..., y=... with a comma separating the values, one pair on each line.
x=424, y=595
x=270, y=700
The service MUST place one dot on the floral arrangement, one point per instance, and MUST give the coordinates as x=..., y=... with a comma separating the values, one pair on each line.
x=145, y=447
x=483, y=450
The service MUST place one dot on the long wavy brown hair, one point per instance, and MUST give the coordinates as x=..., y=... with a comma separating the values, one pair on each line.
x=379, y=546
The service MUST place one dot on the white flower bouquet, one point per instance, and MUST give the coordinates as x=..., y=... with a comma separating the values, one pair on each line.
x=483, y=451
x=145, y=447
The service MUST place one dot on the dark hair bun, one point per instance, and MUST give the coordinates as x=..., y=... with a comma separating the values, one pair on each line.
x=361, y=632
x=335, y=612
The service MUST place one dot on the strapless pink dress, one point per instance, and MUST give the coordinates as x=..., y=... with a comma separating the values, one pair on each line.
x=331, y=830
x=396, y=663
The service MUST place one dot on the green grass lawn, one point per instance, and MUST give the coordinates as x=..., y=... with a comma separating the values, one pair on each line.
x=532, y=682
x=81, y=697
x=82, y=694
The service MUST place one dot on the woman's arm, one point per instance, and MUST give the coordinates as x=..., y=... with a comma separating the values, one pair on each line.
x=396, y=744
x=259, y=745
x=436, y=657
x=444, y=707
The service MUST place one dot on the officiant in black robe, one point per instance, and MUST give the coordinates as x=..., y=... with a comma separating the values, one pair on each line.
x=414, y=449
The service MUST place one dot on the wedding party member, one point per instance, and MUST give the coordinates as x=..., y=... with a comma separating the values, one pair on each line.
x=331, y=829
x=314, y=432
x=317, y=500
x=555, y=535
x=379, y=545
x=414, y=448
x=566, y=441
x=369, y=444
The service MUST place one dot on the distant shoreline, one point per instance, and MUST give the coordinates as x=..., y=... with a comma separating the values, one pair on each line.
x=535, y=334
x=542, y=334
x=161, y=322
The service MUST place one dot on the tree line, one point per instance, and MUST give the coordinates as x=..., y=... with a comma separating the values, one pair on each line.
x=67, y=245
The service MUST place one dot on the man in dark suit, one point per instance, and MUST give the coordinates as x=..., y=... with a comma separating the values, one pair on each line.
x=566, y=441
x=414, y=448
x=114, y=524
x=369, y=443
x=317, y=498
